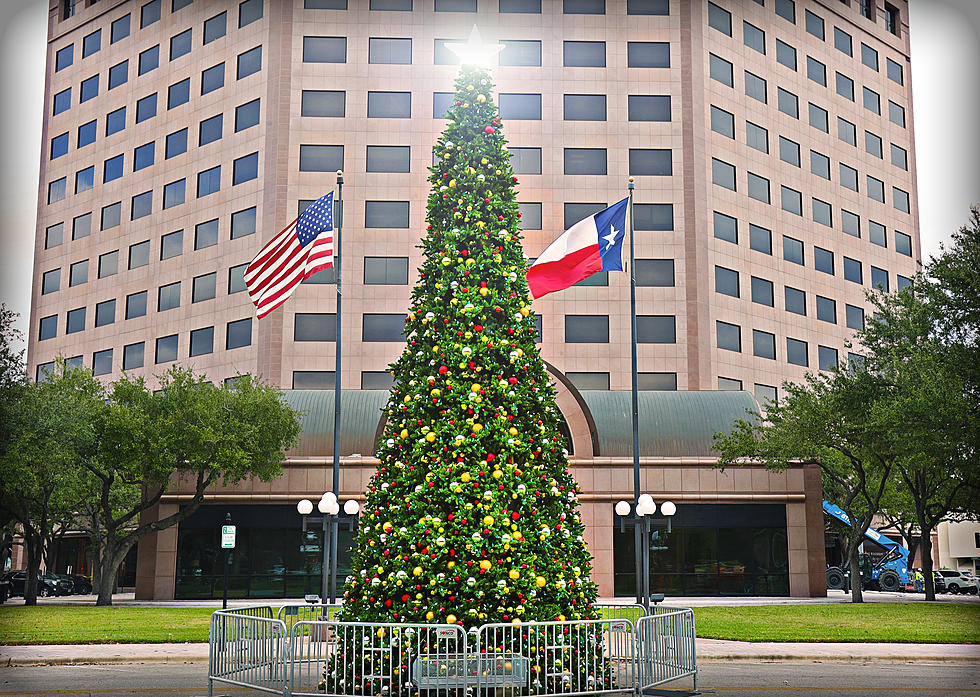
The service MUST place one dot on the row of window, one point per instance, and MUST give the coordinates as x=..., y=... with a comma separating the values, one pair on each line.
x=569, y=7
x=729, y=338
x=723, y=174
x=760, y=239
x=247, y=63
x=755, y=38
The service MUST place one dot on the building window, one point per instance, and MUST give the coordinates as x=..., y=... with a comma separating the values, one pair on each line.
x=763, y=344
x=845, y=87
x=896, y=114
x=854, y=317
x=755, y=87
x=180, y=44
x=64, y=57
x=820, y=165
x=814, y=24
x=574, y=212
x=387, y=158
x=176, y=143
x=823, y=260
x=647, y=54
x=57, y=190
x=651, y=216
x=719, y=19
x=206, y=234
x=139, y=254
x=848, y=177
x=900, y=199
x=166, y=349
x=108, y=264
x=178, y=93
x=765, y=395
x=149, y=60
x=249, y=63
x=584, y=107
x=654, y=272
x=174, y=193
x=172, y=245
x=850, y=223
x=111, y=215
x=149, y=13
x=582, y=329
x=521, y=107
x=869, y=56
x=213, y=78
x=146, y=108
x=208, y=181
x=649, y=162
x=441, y=55
x=61, y=101
x=826, y=310
x=527, y=6
x=203, y=287
x=728, y=336
x=729, y=384
x=47, y=328
x=81, y=226
x=655, y=329
x=816, y=71
x=795, y=300
x=879, y=278
x=390, y=51
x=323, y=103
x=136, y=305
x=903, y=244
x=876, y=189
x=760, y=239
x=826, y=358
x=526, y=160
x=725, y=227
x=119, y=29
x=580, y=7
x=168, y=297
x=249, y=11
x=900, y=157
x=846, y=131
x=53, y=235
x=657, y=381
x=721, y=70
x=50, y=281
x=321, y=158
x=143, y=156
x=215, y=27
x=520, y=53
x=789, y=151
x=324, y=49
x=87, y=133
x=793, y=250
x=786, y=9
x=386, y=214
x=236, y=279
x=390, y=105
x=102, y=362
x=756, y=137
x=105, y=313
x=530, y=215
x=726, y=281
x=589, y=381
x=441, y=101
x=893, y=24
x=648, y=107
x=455, y=5
x=78, y=273
x=877, y=234
x=585, y=161
x=723, y=174
x=376, y=327
x=388, y=271
x=852, y=271
x=796, y=352
x=786, y=55
x=202, y=341
x=842, y=41
x=243, y=223
x=763, y=292
x=791, y=200
x=314, y=379
x=84, y=179
x=872, y=101
x=118, y=74
x=238, y=333
x=753, y=37
x=822, y=212
x=722, y=122
x=210, y=130
x=758, y=187
x=895, y=72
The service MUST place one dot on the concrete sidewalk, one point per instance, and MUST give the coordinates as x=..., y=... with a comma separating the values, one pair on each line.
x=709, y=651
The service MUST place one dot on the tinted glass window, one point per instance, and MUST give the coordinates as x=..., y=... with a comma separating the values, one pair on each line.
x=213, y=78
x=823, y=260
x=520, y=106
x=725, y=227
x=795, y=300
x=785, y=54
x=762, y=292
x=796, y=352
x=586, y=329
x=721, y=70
x=723, y=174
x=726, y=281
x=386, y=214
x=105, y=313
x=648, y=108
x=324, y=49
x=321, y=158
x=654, y=272
x=720, y=19
x=168, y=297
x=651, y=216
x=149, y=60
x=650, y=162
x=238, y=333
x=206, y=234
x=760, y=239
x=728, y=336
x=722, y=122
x=180, y=44
x=391, y=51
x=136, y=305
x=763, y=344
x=584, y=107
x=215, y=27
x=656, y=329
x=758, y=187
x=202, y=341
x=382, y=327
x=648, y=54
x=178, y=93
x=852, y=270
x=526, y=160
x=389, y=105
x=792, y=250
x=249, y=62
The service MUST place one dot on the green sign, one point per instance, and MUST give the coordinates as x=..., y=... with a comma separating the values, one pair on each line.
x=227, y=537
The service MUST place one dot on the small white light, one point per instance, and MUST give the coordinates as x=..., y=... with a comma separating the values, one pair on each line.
x=646, y=507
x=322, y=505
x=352, y=507
x=305, y=507
x=333, y=508
x=329, y=496
x=668, y=508
x=623, y=509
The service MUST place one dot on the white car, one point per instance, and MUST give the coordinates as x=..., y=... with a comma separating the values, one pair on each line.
x=959, y=581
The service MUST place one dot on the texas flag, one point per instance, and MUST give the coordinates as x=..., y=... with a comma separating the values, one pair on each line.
x=590, y=245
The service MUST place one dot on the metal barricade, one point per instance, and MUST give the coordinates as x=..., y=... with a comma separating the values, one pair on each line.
x=357, y=659
x=620, y=611
x=246, y=648
x=665, y=648
x=564, y=658
x=291, y=614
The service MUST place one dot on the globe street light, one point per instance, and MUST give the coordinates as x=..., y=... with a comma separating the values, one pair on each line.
x=329, y=507
x=640, y=519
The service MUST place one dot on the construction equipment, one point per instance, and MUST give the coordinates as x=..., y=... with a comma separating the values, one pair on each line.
x=889, y=573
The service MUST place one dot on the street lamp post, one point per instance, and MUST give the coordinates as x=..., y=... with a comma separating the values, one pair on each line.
x=329, y=508
x=640, y=519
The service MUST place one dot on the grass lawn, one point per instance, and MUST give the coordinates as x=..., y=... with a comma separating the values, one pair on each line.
x=925, y=623
x=871, y=622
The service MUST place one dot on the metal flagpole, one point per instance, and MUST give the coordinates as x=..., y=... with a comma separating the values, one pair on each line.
x=638, y=536
x=338, y=223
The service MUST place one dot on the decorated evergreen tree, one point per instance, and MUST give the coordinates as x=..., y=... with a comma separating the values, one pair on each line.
x=471, y=517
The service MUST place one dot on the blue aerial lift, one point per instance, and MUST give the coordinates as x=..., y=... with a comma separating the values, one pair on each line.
x=890, y=573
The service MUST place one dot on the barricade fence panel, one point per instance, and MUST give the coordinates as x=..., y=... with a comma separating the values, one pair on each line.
x=304, y=650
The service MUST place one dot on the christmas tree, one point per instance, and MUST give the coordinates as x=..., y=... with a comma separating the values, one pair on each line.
x=471, y=517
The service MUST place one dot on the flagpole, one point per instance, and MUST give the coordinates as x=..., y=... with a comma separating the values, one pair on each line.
x=641, y=561
x=338, y=220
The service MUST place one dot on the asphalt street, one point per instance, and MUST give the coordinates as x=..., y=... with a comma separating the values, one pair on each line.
x=768, y=679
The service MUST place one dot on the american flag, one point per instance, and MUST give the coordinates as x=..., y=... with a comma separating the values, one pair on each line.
x=293, y=255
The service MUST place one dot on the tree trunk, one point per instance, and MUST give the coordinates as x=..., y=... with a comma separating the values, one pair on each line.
x=113, y=556
x=34, y=552
x=95, y=567
x=925, y=541
x=857, y=591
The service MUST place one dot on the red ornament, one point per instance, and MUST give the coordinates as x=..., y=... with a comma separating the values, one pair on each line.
x=488, y=129
x=443, y=370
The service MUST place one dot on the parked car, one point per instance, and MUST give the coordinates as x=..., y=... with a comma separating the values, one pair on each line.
x=18, y=578
x=959, y=581
x=83, y=586
x=68, y=582
x=939, y=581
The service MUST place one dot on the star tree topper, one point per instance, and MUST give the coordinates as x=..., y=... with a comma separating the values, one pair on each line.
x=474, y=51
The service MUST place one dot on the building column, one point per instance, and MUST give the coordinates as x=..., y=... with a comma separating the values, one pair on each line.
x=156, y=558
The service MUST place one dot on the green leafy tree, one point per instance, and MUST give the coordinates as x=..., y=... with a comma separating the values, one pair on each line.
x=189, y=429
x=13, y=378
x=471, y=516
x=829, y=419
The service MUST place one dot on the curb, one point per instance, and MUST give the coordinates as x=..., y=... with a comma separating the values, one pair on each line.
x=103, y=660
